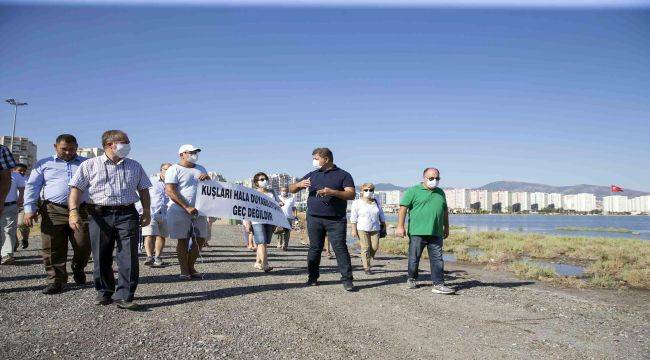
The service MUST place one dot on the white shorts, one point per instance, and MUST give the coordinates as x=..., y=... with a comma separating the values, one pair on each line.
x=157, y=227
x=179, y=223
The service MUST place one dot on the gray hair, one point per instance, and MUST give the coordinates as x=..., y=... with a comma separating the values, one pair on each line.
x=111, y=136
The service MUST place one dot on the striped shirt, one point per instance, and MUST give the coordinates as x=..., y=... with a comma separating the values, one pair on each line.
x=109, y=183
x=6, y=159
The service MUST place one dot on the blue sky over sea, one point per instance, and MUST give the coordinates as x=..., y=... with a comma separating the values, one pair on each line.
x=549, y=94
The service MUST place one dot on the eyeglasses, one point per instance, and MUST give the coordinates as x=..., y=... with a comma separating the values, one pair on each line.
x=434, y=178
x=368, y=190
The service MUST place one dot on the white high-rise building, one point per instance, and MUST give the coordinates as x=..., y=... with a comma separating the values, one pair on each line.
x=480, y=199
x=640, y=204
x=538, y=201
x=458, y=199
x=520, y=201
x=393, y=197
x=382, y=197
x=615, y=204
x=579, y=202
x=555, y=201
x=24, y=151
x=586, y=202
x=501, y=201
x=276, y=181
x=90, y=152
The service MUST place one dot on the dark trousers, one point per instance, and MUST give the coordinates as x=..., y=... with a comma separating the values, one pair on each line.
x=335, y=228
x=434, y=248
x=55, y=235
x=111, y=228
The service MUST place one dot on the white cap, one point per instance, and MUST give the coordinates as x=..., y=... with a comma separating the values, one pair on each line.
x=187, y=147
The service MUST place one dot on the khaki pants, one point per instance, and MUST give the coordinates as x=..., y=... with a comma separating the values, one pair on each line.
x=55, y=234
x=369, y=242
x=283, y=238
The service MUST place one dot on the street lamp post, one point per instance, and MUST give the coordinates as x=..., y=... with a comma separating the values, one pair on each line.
x=16, y=104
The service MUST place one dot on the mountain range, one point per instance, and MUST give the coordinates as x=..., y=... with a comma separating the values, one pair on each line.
x=597, y=190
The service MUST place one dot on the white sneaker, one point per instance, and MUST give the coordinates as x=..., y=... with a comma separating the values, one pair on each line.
x=442, y=289
x=258, y=266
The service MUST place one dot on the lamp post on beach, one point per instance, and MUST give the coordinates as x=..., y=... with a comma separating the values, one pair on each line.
x=15, y=104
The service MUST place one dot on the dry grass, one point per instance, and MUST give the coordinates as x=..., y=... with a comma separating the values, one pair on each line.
x=609, y=262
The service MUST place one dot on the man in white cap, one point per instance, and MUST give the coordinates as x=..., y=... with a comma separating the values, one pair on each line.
x=183, y=221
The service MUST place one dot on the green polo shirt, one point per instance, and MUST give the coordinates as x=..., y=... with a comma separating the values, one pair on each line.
x=426, y=210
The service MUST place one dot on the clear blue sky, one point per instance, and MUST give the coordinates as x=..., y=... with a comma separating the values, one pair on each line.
x=552, y=96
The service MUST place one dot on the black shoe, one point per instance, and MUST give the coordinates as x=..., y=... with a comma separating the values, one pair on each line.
x=125, y=304
x=103, y=300
x=348, y=286
x=24, y=244
x=79, y=277
x=52, y=289
x=311, y=283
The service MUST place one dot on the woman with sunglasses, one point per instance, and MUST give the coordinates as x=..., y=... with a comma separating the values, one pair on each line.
x=262, y=233
x=367, y=219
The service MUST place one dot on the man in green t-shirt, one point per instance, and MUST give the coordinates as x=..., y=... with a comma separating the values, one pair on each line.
x=428, y=225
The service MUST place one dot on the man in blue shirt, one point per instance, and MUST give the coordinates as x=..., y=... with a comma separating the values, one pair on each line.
x=51, y=176
x=329, y=190
x=155, y=233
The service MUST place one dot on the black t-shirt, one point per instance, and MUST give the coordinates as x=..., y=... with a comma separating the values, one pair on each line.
x=335, y=179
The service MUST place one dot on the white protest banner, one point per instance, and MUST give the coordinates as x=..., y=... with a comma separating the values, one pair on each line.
x=231, y=201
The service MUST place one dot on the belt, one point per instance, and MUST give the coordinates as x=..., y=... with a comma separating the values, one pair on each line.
x=112, y=207
x=65, y=206
x=10, y=203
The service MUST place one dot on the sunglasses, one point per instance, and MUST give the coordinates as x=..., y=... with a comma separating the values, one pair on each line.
x=368, y=190
x=434, y=178
x=262, y=179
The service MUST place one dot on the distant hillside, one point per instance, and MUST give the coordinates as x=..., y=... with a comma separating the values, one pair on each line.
x=385, y=187
x=597, y=190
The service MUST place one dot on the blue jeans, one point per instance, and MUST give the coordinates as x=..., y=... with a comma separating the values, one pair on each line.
x=434, y=248
x=335, y=228
x=262, y=233
x=110, y=228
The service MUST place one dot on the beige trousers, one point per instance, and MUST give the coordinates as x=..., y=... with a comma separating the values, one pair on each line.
x=369, y=242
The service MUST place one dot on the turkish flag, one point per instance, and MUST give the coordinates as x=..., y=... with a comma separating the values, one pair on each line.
x=616, y=188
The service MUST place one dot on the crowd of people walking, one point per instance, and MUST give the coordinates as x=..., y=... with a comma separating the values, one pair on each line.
x=104, y=205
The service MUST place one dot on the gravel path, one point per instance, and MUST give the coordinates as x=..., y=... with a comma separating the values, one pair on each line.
x=237, y=312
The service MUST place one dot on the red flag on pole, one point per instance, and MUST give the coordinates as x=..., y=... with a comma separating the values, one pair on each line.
x=616, y=188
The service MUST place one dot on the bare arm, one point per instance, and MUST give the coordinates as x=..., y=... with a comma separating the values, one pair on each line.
x=74, y=199
x=300, y=185
x=145, y=200
x=172, y=193
x=446, y=223
x=401, y=219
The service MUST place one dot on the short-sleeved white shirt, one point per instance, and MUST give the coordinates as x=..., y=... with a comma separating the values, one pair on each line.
x=289, y=204
x=367, y=216
x=17, y=181
x=186, y=180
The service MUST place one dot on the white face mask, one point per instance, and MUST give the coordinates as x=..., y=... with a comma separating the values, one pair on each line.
x=262, y=183
x=122, y=150
x=315, y=164
x=193, y=158
x=432, y=184
x=369, y=195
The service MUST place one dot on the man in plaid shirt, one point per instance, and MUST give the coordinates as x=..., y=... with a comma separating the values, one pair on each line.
x=6, y=164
